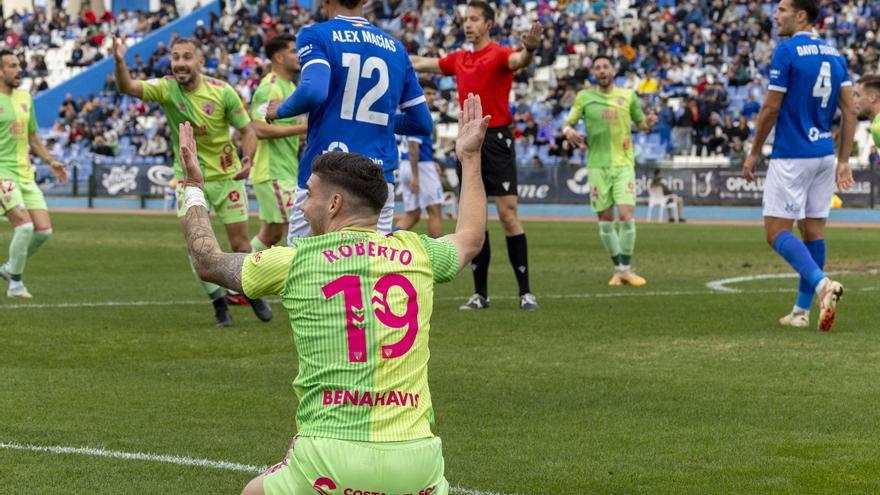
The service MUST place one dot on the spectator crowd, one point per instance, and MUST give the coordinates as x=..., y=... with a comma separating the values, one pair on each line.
x=701, y=65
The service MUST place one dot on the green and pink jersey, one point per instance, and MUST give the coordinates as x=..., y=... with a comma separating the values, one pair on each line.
x=608, y=119
x=275, y=159
x=360, y=306
x=875, y=130
x=17, y=123
x=211, y=109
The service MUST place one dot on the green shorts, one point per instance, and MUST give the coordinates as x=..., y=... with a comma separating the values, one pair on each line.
x=340, y=467
x=275, y=198
x=611, y=186
x=228, y=198
x=15, y=193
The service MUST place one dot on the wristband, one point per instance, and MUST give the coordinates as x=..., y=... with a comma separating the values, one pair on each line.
x=194, y=196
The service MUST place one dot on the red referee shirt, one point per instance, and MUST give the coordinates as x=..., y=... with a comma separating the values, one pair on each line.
x=485, y=73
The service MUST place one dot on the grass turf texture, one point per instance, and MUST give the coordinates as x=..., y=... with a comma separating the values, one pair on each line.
x=698, y=393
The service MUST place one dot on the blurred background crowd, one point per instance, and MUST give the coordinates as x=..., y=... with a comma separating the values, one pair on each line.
x=702, y=65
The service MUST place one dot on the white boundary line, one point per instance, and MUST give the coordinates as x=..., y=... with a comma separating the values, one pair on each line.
x=721, y=285
x=716, y=287
x=178, y=460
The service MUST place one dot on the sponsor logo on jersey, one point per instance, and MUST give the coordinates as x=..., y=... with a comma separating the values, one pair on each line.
x=815, y=135
x=322, y=483
x=24, y=107
x=208, y=108
x=234, y=196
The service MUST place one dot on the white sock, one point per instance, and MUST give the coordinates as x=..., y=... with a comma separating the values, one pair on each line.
x=797, y=309
x=821, y=285
x=15, y=284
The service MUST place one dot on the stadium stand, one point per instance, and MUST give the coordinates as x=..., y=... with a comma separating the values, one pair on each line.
x=701, y=65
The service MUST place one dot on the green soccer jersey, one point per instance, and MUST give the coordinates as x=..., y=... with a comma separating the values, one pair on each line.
x=360, y=306
x=275, y=159
x=211, y=109
x=17, y=123
x=608, y=120
x=875, y=130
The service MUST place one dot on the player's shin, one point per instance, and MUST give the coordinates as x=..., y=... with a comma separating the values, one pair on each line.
x=627, y=241
x=798, y=256
x=518, y=253
x=18, y=250
x=39, y=238
x=611, y=241
x=805, y=293
x=480, y=266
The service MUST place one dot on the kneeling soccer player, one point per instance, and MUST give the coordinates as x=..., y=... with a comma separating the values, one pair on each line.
x=360, y=306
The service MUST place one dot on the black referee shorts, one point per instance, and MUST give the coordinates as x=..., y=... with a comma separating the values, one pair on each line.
x=498, y=156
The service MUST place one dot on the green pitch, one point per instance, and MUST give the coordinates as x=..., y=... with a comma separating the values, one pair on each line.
x=670, y=388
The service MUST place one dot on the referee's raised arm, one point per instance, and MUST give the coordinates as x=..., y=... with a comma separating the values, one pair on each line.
x=523, y=58
x=426, y=64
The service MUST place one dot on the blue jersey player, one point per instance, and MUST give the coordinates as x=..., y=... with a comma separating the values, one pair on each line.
x=354, y=79
x=808, y=83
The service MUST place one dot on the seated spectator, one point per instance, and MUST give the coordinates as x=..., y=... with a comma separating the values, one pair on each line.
x=737, y=154
x=671, y=198
x=155, y=146
x=649, y=85
x=751, y=107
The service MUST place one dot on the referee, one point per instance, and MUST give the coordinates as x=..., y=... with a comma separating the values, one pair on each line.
x=488, y=71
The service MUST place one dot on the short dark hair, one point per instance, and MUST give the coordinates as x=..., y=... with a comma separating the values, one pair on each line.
x=278, y=43
x=488, y=11
x=349, y=4
x=356, y=174
x=426, y=83
x=870, y=81
x=603, y=56
x=192, y=41
x=811, y=7
x=4, y=52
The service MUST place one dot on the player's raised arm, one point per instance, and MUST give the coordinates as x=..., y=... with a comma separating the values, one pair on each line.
x=847, y=136
x=426, y=64
x=766, y=120
x=523, y=58
x=471, y=227
x=210, y=262
x=124, y=83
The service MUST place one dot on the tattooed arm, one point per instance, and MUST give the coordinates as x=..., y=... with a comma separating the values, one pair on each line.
x=210, y=262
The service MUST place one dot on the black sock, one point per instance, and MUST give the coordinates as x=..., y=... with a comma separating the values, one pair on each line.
x=15, y=278
x=480, y=266
x=518, y=252
x=220, y=303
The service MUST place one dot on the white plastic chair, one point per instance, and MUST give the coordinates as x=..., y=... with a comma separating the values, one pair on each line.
x=661, y=201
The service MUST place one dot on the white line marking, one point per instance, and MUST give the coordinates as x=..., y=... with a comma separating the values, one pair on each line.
x=721, y=285
x=179, y=460
x=136, y=456
x=717, y=288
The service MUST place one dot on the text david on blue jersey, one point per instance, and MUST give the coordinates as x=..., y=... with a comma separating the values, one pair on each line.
x=810, y=73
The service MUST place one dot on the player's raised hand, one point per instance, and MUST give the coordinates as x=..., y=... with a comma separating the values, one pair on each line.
x=189, y=162
x=651, y=119
x=272, y=110
x=532, y=39
x=844, y=176
x=119, y=48
x=471, y=128
x=749, y=167
x=58, y=170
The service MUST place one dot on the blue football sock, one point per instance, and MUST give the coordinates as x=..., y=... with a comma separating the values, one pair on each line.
x=805, y=295
x=798, y=256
